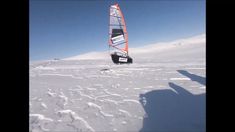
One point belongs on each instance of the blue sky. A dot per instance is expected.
(65, 28)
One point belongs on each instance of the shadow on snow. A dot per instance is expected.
(193, 77)
(177, 111)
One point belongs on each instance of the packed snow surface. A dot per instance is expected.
(163, 90)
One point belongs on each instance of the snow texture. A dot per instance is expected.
(163, 90)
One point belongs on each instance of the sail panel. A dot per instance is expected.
(117, 29)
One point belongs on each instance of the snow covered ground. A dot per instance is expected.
(163, 90)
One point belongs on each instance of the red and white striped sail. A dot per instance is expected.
(118, 39)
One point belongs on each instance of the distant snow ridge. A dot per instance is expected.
(160, 46)
(163, 46)
(90, 56)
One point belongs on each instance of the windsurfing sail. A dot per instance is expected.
(118, 37)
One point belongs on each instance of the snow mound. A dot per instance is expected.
(90, 56)
(149, 50)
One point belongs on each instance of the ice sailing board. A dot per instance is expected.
(118, 37)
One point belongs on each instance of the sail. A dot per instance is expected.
(118, 39)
